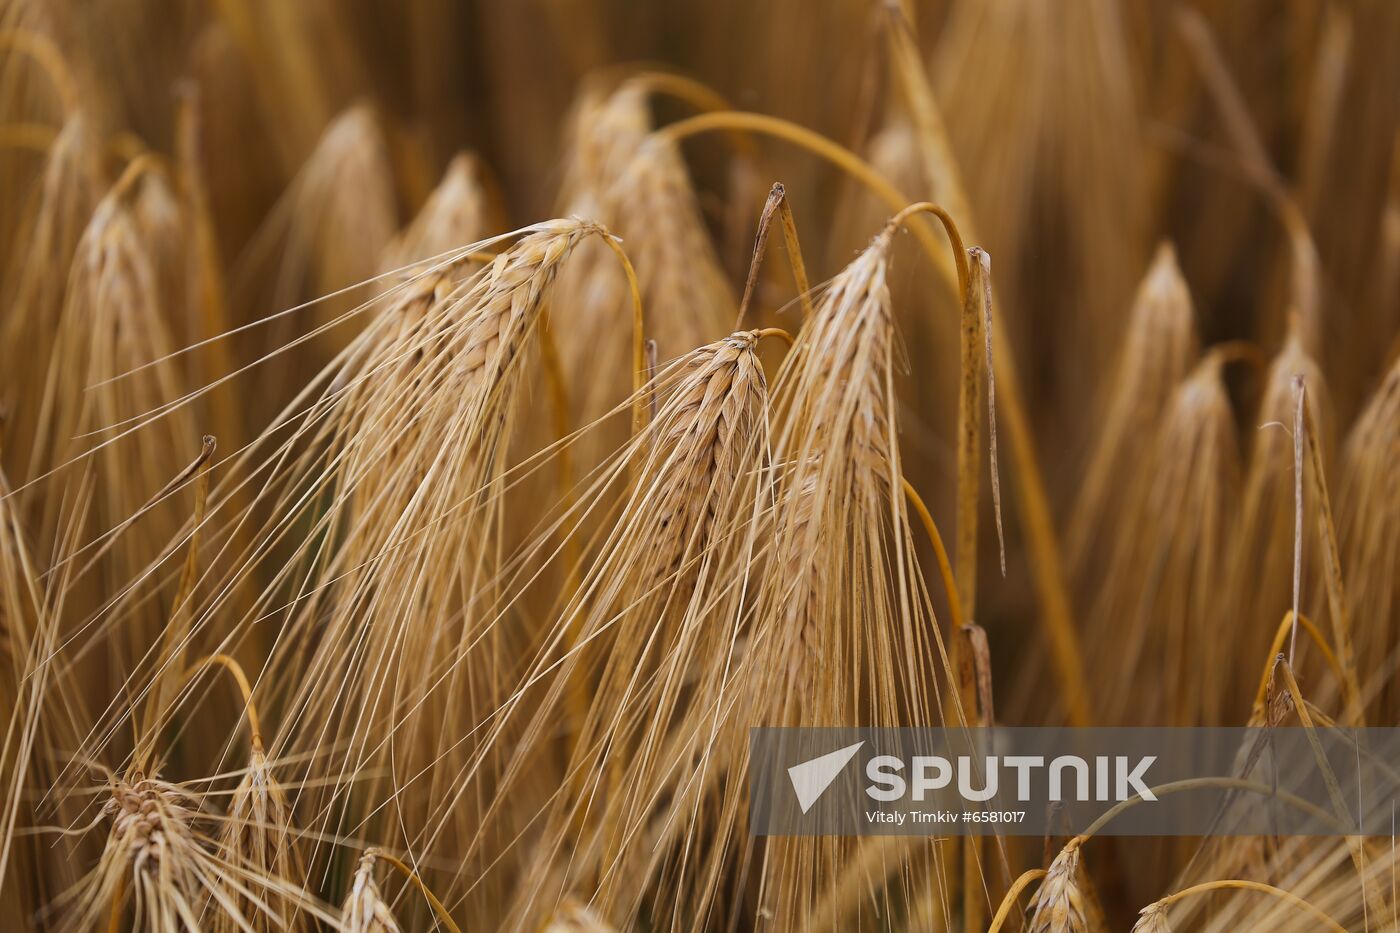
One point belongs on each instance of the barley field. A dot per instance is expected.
(435, 432)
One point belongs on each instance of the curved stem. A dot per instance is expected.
(949, 227)
(778, 332)
(1240, 351)
(798, 135)
(49, 59)
(125, 147)
(699, 95)
(1242, 885)
(245, 689)
(1176, 787)
(443, 916)
(964, 690)
(1009, 901)
(1173, 787)
(945, 567)
(695, 93)
(1046, 564)
(639, 343)
(1281, 635)
(838, 155)
(137, 169)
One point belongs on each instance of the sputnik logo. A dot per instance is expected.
(811, 778)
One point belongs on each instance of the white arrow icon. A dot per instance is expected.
(811, 778)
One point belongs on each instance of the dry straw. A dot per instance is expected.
(637, 184)
(1370, 502)
(418, 451)
(506, 641)
(653, 630)
(1263, 565)
(1159, 347)
(1065, 902)
(847, 595)
(365, 909)
(1166, 569)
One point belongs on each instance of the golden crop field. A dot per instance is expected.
(435, 432)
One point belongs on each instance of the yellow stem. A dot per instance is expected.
(945, 568)
(651, 358)
(1239, 351)
(50, 60)
(949, 227)
(137, 169)
(1336, 595)
(443, 916)
(214, 315)
(971, 287)
(964, 683)
(695, 93)
(1284, 628)
(1046, 562)
(972, 861)
(245, 689)
(1357, 850)
(577, 694)
(1259, 886)
(639, 350)
(36, 136)
(969, 441)
(1009, 901)
(1176, 787)
(698, 95)
(125, 147)
(114, 916)
(794, 250)
(778, 332)
(1173, 787)
(178, 628)
(799, 136)
(206, 240)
